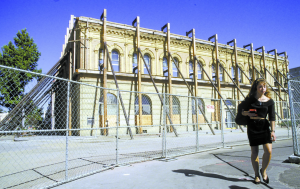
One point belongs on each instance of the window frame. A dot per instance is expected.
(149, 63)
(115, 63)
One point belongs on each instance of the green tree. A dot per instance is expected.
(23, 54)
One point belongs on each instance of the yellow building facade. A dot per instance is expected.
(88, 61)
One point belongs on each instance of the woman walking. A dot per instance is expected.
(259, 105)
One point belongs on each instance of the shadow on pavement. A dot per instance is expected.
(191, 173)
(246, 174)
(237, 187)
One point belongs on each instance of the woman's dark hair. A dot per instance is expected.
(253, 89)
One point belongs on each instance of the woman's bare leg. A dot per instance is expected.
(266, 158)
(255, 161)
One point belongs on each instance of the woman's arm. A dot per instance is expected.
(273, 136)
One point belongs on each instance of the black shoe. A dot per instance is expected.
(265, 180)
(257, 182)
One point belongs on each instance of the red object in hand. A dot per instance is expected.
(252, 110)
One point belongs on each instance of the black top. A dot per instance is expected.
(263, 108)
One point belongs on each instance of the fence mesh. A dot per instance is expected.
(55, 130)
(294, 96)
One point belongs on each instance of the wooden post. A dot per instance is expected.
(252, 59)
(139, 67)
(217, 76)
(74, 51)
(217, 65)
(286, 64)
(264, 61)
(195, 64)
(195, 76)
(170, 73)
(278, 79)
(103, 118)
(236, 69)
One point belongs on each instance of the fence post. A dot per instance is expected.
(117, 129)
(294, 126)
(197, 124)
(67, 132)
(222, 124)
(164, 143)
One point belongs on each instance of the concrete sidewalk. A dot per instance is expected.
(222, 168)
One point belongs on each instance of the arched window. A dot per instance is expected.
(115, 60)
(200, 105)
(148, 62)
(214, 73)
(165, 66)
(199, 71)
(233, 73)
(174, 68)
(111, 105)
(146, 105)
(134, 63)
(191, 69)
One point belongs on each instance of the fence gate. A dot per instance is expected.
(294, 98)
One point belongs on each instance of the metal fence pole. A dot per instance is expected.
(294, 126)
(67, 131)
(197, 124)
(222, 124)
(288, 122)
(164, 138)
(117, 129)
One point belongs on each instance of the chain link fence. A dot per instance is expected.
(57, 130)
(294, 98)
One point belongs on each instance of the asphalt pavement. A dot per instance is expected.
(228, 167)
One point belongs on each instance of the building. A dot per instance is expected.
(177, 64)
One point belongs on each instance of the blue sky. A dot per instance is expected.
(270, 23)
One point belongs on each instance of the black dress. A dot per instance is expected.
(258, 130)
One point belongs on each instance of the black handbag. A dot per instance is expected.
(240, 119)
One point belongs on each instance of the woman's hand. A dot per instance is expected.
(247, 113)
(273, 136)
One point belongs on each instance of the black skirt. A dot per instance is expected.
(258, 131)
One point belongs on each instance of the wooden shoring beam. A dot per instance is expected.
(277, 77)
(217, 76)
(161, 100)
(190, 90)
(264, 59)
(286, 62)
(217, 91)
(104, 84)
(252, 59)
(236, 69)
(139, 80)
(170, 70)
(286, 66)
(120, 96)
